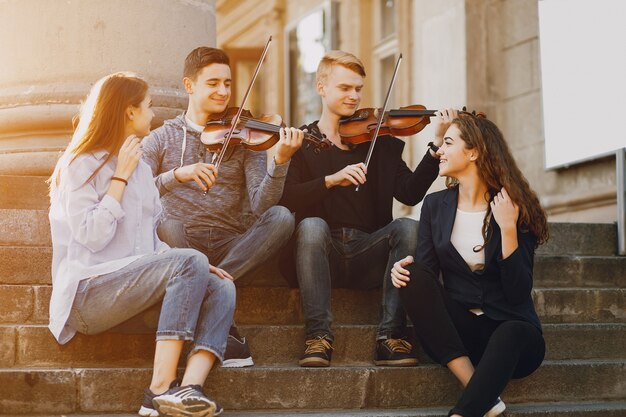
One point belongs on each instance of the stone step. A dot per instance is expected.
(592, 239)
(23, 192)
(29, 304)
(34, 346)
(24, 227)
(551, 409)
(93, 390)
(578, 409)
(31, 265)
(30, 227)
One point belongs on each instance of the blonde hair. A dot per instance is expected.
(344, 59)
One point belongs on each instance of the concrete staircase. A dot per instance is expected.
(579, 293)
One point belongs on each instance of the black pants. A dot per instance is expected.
(499, 350)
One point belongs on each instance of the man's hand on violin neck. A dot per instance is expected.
(205, 175)
(350, 175)
(290, 141)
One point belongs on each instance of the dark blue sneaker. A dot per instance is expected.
(237, 353)
(394, 352)
(187, 401)
(147, 409)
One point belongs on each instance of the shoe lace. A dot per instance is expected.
(317, 345)
(398, 345)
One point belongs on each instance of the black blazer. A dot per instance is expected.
(503, 288)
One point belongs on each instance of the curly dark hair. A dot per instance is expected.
(497, 168)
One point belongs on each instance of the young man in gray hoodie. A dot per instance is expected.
(205, 208)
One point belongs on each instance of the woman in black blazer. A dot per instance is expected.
(480, 234)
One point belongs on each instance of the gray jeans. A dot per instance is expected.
(197, 306)
(350, 258)
(236, 253)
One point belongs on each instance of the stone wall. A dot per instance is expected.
(53, 51)
(504, 77)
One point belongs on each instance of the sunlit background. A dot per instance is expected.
(497, 56)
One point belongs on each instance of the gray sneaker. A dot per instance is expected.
(187, 401)
(147, 409)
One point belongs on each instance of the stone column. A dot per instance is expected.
(52, 51)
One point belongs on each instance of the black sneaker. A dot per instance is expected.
(317, 353)
(187, 401)
(237, 353)
(147, 409)
(394, 352)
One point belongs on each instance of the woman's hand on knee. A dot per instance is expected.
(220, 272)
(399, 275)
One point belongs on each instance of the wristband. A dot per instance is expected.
(119, 179)
(433, 147)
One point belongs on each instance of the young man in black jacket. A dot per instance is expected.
(346, 238)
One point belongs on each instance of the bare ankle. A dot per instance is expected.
(159, 387)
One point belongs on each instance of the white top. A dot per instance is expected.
(93, 234)
(467, 235)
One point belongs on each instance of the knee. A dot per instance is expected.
(196, 261)
(404, 231)
(282, 219)
(516, 331)
(313, 231)
(423, 282)
(172, 232)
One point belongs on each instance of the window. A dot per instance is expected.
(308, 39)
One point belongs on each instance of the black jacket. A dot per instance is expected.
(305, 191)
(503, 288)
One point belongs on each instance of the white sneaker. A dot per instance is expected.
(497, 409)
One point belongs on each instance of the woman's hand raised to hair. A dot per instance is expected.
(504, 210)
(399, 275)
(506, 213)
(442, 123)
(128, 157)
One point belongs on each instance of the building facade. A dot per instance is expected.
(483, 54)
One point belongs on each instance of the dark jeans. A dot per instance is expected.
(499, 350)
(236, 253)
(350, 258)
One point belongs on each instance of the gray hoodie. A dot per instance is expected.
(242, 176)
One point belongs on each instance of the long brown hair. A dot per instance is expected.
(497, 168)
(102, 119)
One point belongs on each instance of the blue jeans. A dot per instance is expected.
(236, 253)
(350, 258)
(197, 306)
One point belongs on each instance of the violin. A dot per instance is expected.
(405, 121)
(256, 134)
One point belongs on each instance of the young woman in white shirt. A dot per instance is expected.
(108, 263)
(480, 235)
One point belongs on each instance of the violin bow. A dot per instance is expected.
(381, 116)
(217, 158)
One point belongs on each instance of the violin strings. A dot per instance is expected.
(257, 124)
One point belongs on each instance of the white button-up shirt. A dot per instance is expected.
(93, 234)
